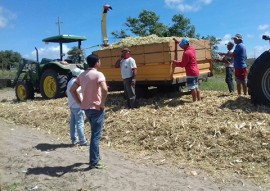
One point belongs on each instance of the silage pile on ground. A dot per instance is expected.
(223, 134)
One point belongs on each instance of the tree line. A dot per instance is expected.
(9, 59)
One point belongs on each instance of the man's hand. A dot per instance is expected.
(221, 54)
(133, 82)
(117, 63)
(175, 63)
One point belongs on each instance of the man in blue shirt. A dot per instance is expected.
(240, 66)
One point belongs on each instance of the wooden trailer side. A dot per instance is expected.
(154, 62)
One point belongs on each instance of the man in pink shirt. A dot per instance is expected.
(94, 93)
(189, 62)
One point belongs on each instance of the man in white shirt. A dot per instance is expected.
(128, 71)
(76, 114)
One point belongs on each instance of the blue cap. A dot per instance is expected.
(183, 42)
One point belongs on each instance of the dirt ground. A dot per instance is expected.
(34, 160)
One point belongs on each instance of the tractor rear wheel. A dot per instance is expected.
(53, 84)
(259, 80)
(24, 90)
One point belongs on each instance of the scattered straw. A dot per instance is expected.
(222, 134)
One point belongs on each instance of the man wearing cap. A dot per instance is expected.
(228, 62)
(189, 62)
(76, 114)
(128, 71)
(94, 91)
(240, 56)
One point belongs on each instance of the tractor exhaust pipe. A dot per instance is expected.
(37, 54)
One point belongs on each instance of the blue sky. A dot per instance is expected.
(24, 23)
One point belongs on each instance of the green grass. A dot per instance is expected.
(11, 187)
(215, 83)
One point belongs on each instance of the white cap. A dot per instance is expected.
(76, 72)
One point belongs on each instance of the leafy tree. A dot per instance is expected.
(75, 55)
(148, 23)
(121, 34)
(214, 44)
(181, 27)
(9, 59)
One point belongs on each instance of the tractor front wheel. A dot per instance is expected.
(53, 84)
(24, 90)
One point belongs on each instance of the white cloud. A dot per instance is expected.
(224, 40)
(5, 17)
(265, 33)
(49, 51)
(187, 6)
(263, 27)
(206, 1)
(258, 50)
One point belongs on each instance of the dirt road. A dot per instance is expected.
(34, 160)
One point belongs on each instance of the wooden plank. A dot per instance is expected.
(116, 52)
(140, 59)
(154, 72)
(103, 53)
(137, 50)
(153, 48)
(106, 62)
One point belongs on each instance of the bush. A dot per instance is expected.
(8, 74)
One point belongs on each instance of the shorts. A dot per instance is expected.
(240, 75)
(192, 82)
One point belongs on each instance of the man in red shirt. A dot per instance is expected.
(189, 62)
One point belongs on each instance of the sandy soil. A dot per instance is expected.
(34, 160)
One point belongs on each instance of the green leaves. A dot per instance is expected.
(9, 59)
(148, 23)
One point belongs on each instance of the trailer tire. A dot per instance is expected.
(24, 90)
(53, 84)
(259, 80)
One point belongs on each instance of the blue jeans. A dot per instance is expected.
(229, 78)
(77, 123)
(96, 120)
(192, 82)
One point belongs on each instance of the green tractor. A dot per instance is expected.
(50, 76)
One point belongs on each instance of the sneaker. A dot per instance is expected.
(74, 144)
(84, 144)
(98, 166)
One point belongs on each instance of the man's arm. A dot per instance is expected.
(74, 93)
(104, 93)
(229, 54)
(117, 63)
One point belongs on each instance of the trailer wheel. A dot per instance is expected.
(24, 90)
(259, 80)
(53, 84)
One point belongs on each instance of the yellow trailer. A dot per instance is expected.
(154, 64)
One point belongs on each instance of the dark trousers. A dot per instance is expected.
(229, 78)
(129, 92)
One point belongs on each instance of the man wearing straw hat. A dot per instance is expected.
(228, 63)
(128, 71)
